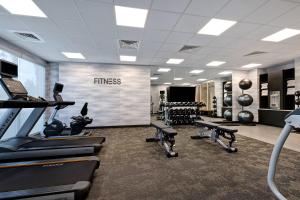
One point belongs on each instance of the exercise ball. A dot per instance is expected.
(228, 100)
(297, 93)
(245, 116)
(245, 84)
(245, 100)
(228, 115)
(228, 86)
(297, 102)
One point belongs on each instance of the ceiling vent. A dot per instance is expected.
(155, 74)
(28, 36)
(189, 48)
(255, 53)
(129, 44)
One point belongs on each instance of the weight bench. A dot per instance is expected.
(214, 131)
(166, 136)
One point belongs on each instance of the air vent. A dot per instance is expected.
(255, 53)
(156, 74)
(189, 48)
(129, 44)
(28, 36)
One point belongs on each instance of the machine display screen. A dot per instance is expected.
(181, 94)
(8, 69)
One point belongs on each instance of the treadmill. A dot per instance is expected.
(23, 147)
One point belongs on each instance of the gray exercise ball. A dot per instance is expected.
(245, 116)
(245, 100)
(228, 115)
(245, 84)
(228, 100)
(228, 86)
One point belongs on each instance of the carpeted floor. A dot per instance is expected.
(132, 169)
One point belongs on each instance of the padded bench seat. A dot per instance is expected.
(159, 125)
(169, 131)
(227, 130)
(207, 124)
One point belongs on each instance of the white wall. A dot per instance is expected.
(109, 105)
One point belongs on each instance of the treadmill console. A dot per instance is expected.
(58, 88)
(13, 88)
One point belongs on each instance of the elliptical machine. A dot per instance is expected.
(55, 127)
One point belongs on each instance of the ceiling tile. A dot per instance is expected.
(200, 40)
(269, 11)
(134, 3)
(241, 29)
(150, 46)
(170, 47)
(238, 9)
(221, 41)
(190, 23)
(161, 20)
(170, 5)
(289, 19)
(155, 35)
(205, 8)
(58, 9)
(127, 33)
(261, 32)
(179, 38)
(9, 22)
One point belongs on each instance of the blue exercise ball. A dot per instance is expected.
(245, 100)
(245, 116)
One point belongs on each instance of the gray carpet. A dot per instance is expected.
(132, 169)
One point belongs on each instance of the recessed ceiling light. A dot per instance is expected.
(186, 84)
(251, 65)
(127, 58)
(22, 7)
(164, 69)
(167, 83)
(133, 17)
(281, 35)
(201, 79)
(153, 78)
(175, 61)
(73, 55)
(197, 71)
(216, 27)
(215, 63)
(178, 79)
(225, 72)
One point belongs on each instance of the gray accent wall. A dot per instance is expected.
(109, 104)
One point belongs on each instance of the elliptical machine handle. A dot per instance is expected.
(274, 158)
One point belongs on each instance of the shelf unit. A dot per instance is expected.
(288, 76)
(263, 99)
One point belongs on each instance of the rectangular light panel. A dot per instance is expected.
(225, 72)
(216, 27)
(251, 65)
(153, 78)
(127, 58)
(132, 17)
(196, 71)
(22, 7)
(73, 55)
(281, 35)
(164, 69)
(178, 79)
(175, 61)
(215, 63)
(201, 79)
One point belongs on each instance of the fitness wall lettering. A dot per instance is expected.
(107, 81)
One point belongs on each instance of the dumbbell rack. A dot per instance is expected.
(181, 112)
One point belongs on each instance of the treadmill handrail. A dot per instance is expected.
(22, 104)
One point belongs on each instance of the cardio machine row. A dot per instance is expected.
(59, 167)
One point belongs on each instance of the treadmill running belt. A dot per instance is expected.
(47, 175)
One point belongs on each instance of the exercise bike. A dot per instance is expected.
(55, 127)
